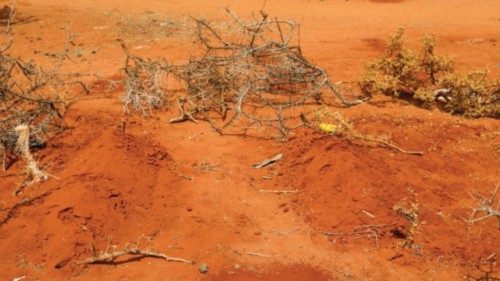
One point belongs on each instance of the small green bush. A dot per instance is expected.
(429, 80)
(472, 94)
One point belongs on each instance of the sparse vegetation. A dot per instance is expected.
(237, 203)
(429, 80)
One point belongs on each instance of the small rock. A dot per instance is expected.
(203, 268)
(237, 266)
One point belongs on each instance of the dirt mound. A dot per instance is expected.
(190, 193)
(122, 193)
(346, 187)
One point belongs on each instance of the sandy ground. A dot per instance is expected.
(193, 194)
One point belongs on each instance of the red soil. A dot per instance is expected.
(194, 194)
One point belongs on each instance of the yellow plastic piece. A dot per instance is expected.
(328, 128)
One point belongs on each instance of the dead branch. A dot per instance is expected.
(485, 207)
(110, 254)
(388, 144)
(269, 161)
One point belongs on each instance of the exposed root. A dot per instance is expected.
(34, 172)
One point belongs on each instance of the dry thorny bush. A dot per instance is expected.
(429, 80)
(145, 85)
(250, 73)
(32, 99)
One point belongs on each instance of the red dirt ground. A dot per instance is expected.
(124, 185)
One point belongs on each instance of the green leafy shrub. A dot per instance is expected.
(472, 94)
(429, 80)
